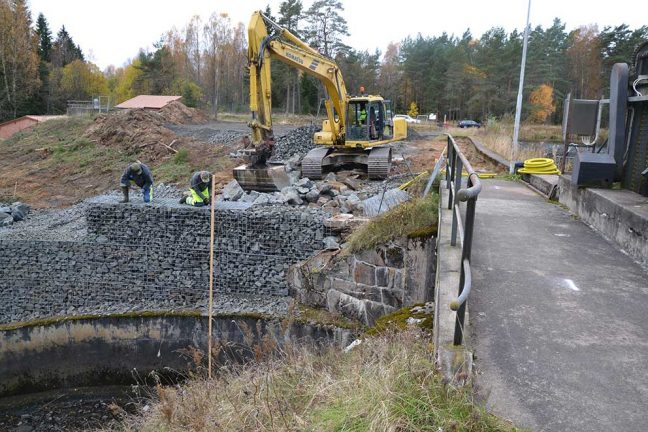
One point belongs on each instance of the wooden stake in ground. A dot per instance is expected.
(211, 278)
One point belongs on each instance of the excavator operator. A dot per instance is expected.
(362, 119)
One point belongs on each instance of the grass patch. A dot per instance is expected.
(53, 134)
(413, 218)
(387, 383)
(510, 177)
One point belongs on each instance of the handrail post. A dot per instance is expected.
(465, 257)
(449, 170)
(455, 202)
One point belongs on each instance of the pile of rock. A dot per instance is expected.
(15, 212)
(331, 195)
(298, 141)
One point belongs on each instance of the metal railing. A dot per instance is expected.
(457, 162)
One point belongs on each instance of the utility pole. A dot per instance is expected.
(518, 107)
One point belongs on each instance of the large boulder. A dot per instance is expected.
(312, 196)
(5, 219)
(23, 208)
(291, 195)
(18, 215)
(233, 191)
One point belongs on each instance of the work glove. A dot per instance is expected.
(207, 201)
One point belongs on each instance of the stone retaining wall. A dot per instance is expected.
(368, 284)
(157, 256)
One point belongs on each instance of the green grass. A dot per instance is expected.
(415, 218)
(378, 386)
(53, 134)
(510, 177)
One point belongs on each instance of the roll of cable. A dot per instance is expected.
(539, 166)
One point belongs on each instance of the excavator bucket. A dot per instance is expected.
(262, 179)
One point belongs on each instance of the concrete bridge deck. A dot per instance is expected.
(559, 318)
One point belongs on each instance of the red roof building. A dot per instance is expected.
(8, 128)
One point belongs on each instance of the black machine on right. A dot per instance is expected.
(625, 157)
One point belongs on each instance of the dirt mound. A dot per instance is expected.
(178, 113)
(135, 132)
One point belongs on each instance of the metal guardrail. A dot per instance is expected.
(457, 162)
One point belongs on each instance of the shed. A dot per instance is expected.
(8, 128)
(148, 102)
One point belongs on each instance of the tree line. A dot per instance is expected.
(39, 72)
(205, 62)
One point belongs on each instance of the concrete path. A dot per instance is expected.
(559, 318)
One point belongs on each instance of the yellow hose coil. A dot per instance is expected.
(539, 166)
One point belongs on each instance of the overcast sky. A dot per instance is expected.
(113, 31)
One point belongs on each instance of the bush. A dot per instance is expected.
(181, 157)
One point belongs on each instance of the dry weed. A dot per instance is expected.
(386, 384)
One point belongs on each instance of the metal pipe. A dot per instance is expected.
(461, 306)
(466, 287)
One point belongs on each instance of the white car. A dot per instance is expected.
(407, 118)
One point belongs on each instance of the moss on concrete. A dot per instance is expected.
(311, 315)
(134, 314)
(397, 321)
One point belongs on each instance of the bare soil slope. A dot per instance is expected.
(61, 162)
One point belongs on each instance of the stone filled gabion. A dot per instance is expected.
(298, 141)
(158, 256)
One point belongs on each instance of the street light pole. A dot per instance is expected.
(518, 107)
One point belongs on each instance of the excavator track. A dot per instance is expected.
(312, 163)
(379, 163)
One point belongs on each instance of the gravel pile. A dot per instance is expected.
(70, 224)
(225, 137)
(210, 135)
(296, 142)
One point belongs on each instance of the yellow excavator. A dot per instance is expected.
(357, 129)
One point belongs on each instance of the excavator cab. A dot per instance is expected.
(369, 120)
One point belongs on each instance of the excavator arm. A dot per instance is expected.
(267, 39)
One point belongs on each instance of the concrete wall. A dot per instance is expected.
(109, 351)
(157, 256)
(620, 215)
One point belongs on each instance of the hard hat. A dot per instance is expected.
(136, 167)
(204, 176)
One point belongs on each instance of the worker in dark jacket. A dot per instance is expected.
(139, 174)
(200, 192)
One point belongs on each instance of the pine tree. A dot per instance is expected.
(326, 27)
(64, 50)
(44, 39)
